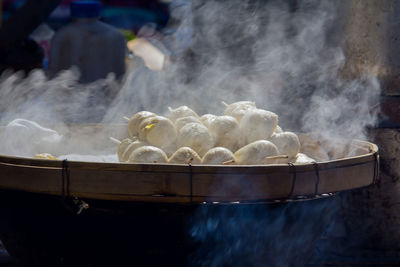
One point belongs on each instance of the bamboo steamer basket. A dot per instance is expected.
(189, 184)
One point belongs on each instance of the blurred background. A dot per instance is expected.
(27, 26)
(124, 14)
(329, 64)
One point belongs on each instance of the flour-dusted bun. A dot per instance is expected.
(226, 132)
(303, 159)
(316, 152)
(170, 148)
(180, 112)
(256, 153)
(129, 149)
(239, 109)
(278, 129)
(179, 123)
(136, 120)
(26, 138)
(258, 124)
(157, 131)
(122, 147)
(312, 147)
(287, 143)
(185, 155)
(195, 136)
(218, 156)
(148, 154)
(206, 119)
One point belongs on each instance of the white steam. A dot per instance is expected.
(287, 56)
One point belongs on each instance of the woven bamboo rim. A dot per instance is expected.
(189, 184)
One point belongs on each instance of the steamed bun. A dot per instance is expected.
(195, 136)
(206, 119)
(225, 131)
(185, 155)
(129, 149)
(148, 154)
(136, 120)
(258, 124)
(255, 153)
(180, 112)
(157, 131)
(239, 109)
(179, 123)
(217, 156)
(287, 143)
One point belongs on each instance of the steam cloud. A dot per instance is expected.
(285, 55)
(259, 235)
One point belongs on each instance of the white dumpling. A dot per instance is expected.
(148, 154)
(170, 148)
(316, 152)
(206, 119)
(185, 155)
(180, 112)
(23, 137)
(278, 129)
(311, 146)
(195, 136)
(179, 123)
(258, 124)
(256, 153)
(239, 109)
(157, 131)
(217, 156)
(225, 131)
(287, 143)
(303, 158)
(122, 147)
(136, 120)
(129, 149)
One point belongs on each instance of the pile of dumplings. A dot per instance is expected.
(244, 135)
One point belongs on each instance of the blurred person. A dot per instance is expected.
(17, 50)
